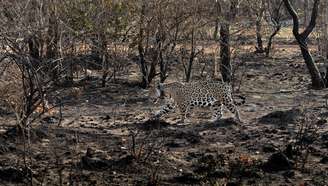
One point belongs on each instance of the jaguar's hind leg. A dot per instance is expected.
(216, 109)
(185, 110)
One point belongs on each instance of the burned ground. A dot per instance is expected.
(106, 137)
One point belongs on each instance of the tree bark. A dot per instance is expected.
(216, 29)
(225, 54)
(217, 20)
(52, 43)
(53, 36)
(275, 19)
(152, 70)
(305, 11)
(268, 48)
(191, 58)
(316, 78)
(104, 58)
(258, 24)
(143, 66)
(259, 48)
(324, 30)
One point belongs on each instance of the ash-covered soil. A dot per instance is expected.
(106, 137)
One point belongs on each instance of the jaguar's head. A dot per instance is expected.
(156, 92)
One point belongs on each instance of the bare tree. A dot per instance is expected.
(305, 11)
(27, 64)
(259, 12)
(323, 31)
(148, 71)
(217, 20)
(229, 10)
(275, 17)
(316, 78)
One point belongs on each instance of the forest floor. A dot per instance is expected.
(106, 137)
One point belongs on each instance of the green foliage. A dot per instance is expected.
(88, 16)
(78, 14)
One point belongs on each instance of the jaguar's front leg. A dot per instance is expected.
(185, 112)
(216, 109)
(233, 109)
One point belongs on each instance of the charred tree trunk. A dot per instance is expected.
(191, 58)
(275, 20)
(258, 26)
(323, 40)
(191, 61)
(104, 58)
(33, 46)
(147, 74)
(161, 48)
(225, 54)
(316, 78)
(52, 37)
(143, 66)
(162, 64)
(216, 26)
(305, 11)
(52, 44)
(163, 68)
(268, 48)
(216, 29)
(152, 70)
(259, 48)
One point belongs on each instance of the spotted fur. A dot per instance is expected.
(186, 96)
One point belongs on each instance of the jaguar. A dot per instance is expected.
(186, 96)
